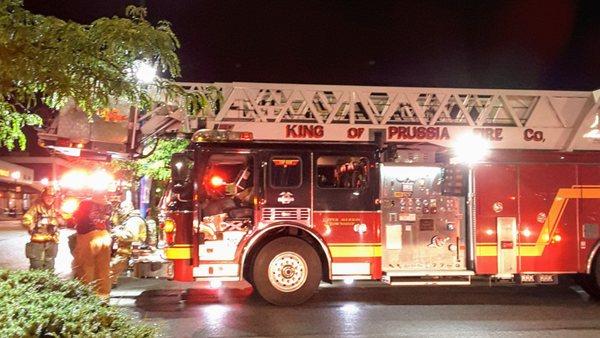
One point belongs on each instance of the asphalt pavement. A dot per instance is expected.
(365, 309)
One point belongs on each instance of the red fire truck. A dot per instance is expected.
(291, 185)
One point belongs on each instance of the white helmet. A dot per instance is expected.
(126, 207)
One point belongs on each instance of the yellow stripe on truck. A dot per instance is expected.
(486, 250)
(557, 209)
(181, 251)
(368, 251)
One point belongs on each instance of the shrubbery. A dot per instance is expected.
(39, 304)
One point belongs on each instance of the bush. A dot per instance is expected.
(39, 304)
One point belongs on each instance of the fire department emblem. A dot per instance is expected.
(286, 197)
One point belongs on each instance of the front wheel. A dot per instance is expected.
(287, 271)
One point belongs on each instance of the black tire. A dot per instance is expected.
(287, 256)
(591, 283)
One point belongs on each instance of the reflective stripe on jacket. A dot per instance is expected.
(42, 222)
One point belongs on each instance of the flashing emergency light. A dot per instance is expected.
(169, 225)
(526, 232)
(470, 149)
(216, 181)
(557, 238)
(74, 179)
(69, 205)
(100, 180)
(78, 179)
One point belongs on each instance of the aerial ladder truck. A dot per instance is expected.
(288, 185)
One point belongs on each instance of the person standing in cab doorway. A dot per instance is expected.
(42, 221)
(91, 255)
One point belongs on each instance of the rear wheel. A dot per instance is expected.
(287, 271)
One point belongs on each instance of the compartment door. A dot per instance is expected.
(507, 246)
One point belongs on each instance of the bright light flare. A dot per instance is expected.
(526, 232)
(69, 205)
(169, 225)
(144, 72)
(348, 281)
(74, 179)
(216, 181)
(100, 180)
(44, 181)
(489, 232)
(470, 149)
(78, 179)
(557, 238)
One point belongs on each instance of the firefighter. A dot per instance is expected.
(91, 256)
(42, 221)
(132, 229)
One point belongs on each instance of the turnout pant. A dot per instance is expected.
(41, 255)
(92, 260)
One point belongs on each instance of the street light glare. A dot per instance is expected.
(144, 72)
(470, 149)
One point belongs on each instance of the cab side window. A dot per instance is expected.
(345, 181)
(342, 172)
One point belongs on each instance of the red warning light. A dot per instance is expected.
(216, 181)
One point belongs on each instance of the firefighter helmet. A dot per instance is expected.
(49, 191)
(126, 207)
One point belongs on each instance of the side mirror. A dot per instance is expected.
(181, 171)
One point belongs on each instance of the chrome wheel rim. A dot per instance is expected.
(287, 271)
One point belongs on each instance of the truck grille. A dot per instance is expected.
(286, 214)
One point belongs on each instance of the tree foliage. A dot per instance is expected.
(47, 60)
(39, 304)
(156, 166)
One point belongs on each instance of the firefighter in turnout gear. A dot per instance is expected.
(131, 230)
(42, 221)
(91, 255)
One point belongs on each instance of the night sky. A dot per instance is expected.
(483, 44)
